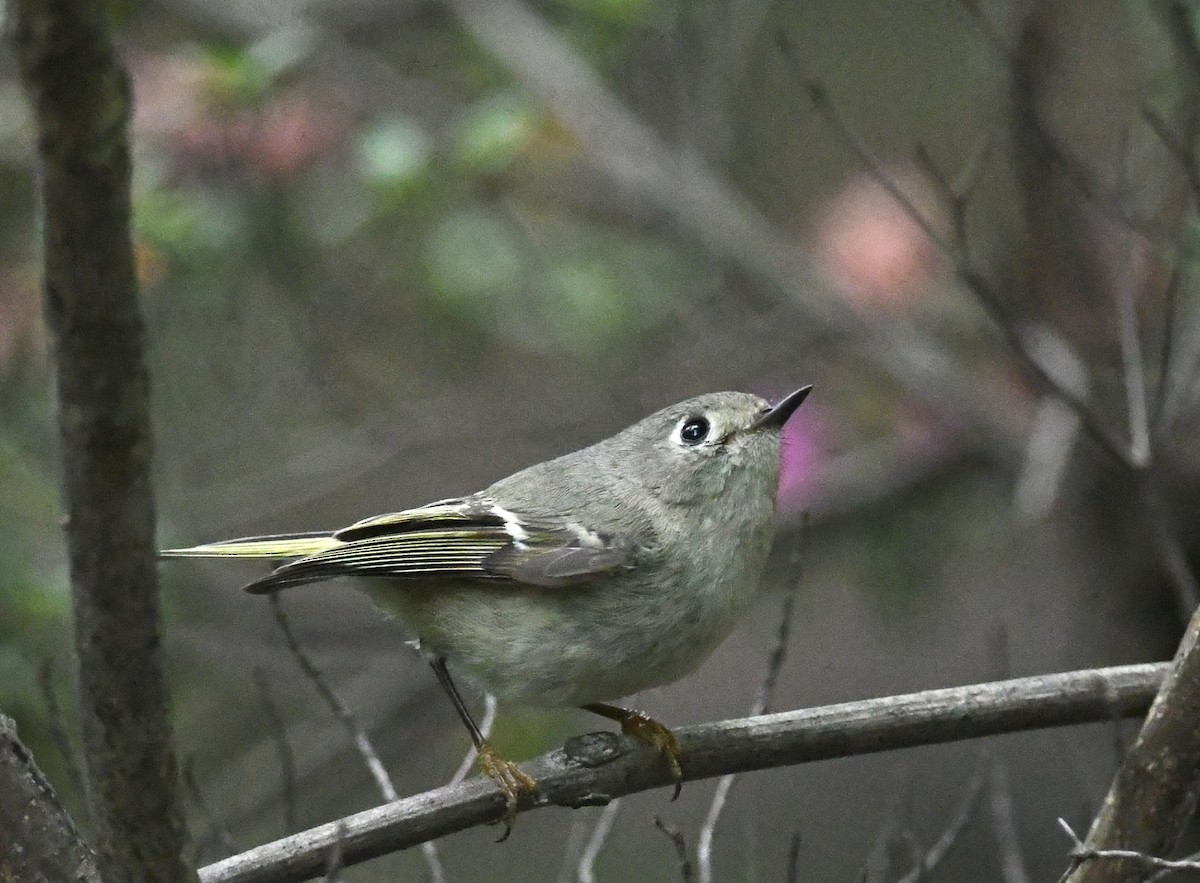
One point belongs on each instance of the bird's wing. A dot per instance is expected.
(473, 538)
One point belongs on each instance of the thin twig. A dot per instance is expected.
(1132, 368)
(879, 859)
(339, 708)
(1004, 825)
(283, 748)
(1162, 873)
(485, 727)
(988, 29)
(435, 872)
(585, 871)
(1171, 553)
(685, 865)
(219, 831)
(762, 700)
(705, 841)
(56, 727)
(572, 849)
(433, 861)
(1166, 347)
(1179, 151)
(1081, 854)
(962, 816)
(1183, 34)
(335, 860)
(792, 875)
(957, 194)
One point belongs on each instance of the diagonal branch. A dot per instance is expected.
(38, 840)
(573, 777)
(1154, 794)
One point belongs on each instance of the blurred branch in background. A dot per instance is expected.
(699, 201)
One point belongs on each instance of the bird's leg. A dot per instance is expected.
(513, 783)
(647, 729)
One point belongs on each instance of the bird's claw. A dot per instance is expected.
(646, 728)
(513, 784)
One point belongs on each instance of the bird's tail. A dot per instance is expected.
(281, 547)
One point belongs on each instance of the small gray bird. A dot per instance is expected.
(576, 581)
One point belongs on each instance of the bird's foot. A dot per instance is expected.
(646, 728)
(513, 784)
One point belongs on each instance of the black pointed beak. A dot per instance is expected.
(778, 414)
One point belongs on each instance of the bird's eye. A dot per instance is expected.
(694, 430)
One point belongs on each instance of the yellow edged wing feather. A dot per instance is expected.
(471, 538)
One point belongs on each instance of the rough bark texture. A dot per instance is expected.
(1154, 794)
(38, 840)
(81, 99)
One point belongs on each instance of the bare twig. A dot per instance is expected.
(1004, 825)
(57, 729)
(1171, 552)
(1047, 455)
(433, 861)
(217, 828)
(585, 871)
(967, 807)
(685, 864)
(1133, 370)
(1175, 146)
(485, 727)
(957, 194)
(762, 700)
(773, 740)
(879, 859)
(1187, 46)
(1081, 854)
(987, 28)
(339, 708)
(283, 747)
(1163, 873)
(1166, 349)
(792, 874)
(335, 861)
(573, 848)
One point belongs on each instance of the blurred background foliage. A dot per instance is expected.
(392, 251)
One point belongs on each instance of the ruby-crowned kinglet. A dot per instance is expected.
(578, 580)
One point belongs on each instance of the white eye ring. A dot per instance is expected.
(693, 430)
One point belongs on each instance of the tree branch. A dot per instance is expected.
(1154, 794)
(38, 840)
(603, 766)
(81, 101)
